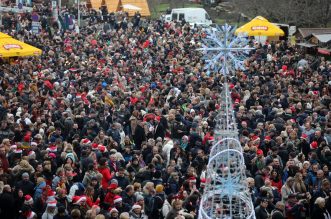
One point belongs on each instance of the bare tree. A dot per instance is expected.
(311, 13)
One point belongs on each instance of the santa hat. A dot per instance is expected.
(50, 194)
(113, 210)
(192, 179)
(202, 182)
(136, 206)
(18, 151)
(267, 138)
(259, 152)
(78, 199)
(28, 200)
(31, 215)
(52, 155)
(231, 86)
(94, 146)
(52, 203)
(255, 138)
(31, 153)
(237, 101)
(304, 136)
(52, 148)
(314, 145)
(117, 199)
(102, 148)
(33, 143)
(86, 141)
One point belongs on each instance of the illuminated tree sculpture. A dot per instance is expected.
(226, 193)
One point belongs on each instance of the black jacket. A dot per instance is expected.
(7, 205)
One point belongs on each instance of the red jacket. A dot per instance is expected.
(90, 203)
(106, 176)
(109, 198)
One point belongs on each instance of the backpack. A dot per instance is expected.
(149, 206)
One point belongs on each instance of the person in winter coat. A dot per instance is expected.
(136, 212)
(166, 208)
(261, 210)
(177, 209)
(22, 167)
(89, 174)
(39, 188)
(25, 184)
(61, 213)
(104, 170)
(7, 203)
(319, 210)
(51, 210)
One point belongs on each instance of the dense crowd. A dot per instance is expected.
(117, 122)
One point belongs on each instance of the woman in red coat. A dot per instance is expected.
(276, 180)
(89, 197)
(105, 171)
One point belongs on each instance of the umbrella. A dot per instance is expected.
(259, 26)
(131, 7)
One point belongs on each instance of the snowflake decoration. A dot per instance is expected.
(223, 51)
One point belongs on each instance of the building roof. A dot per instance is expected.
(143, 4)
(112, 5)
(96, 4)
(323, 38)
(308, 45)
(305, 32)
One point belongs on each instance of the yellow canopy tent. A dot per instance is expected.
(3, 35)
(9, 47)
(259, 26)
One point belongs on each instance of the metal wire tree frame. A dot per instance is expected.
(223, 51)
(225, 122)
(226, 192)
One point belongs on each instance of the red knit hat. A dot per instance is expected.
(314, 145)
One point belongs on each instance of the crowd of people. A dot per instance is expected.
(117, 122)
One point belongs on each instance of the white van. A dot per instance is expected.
(193, 16)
